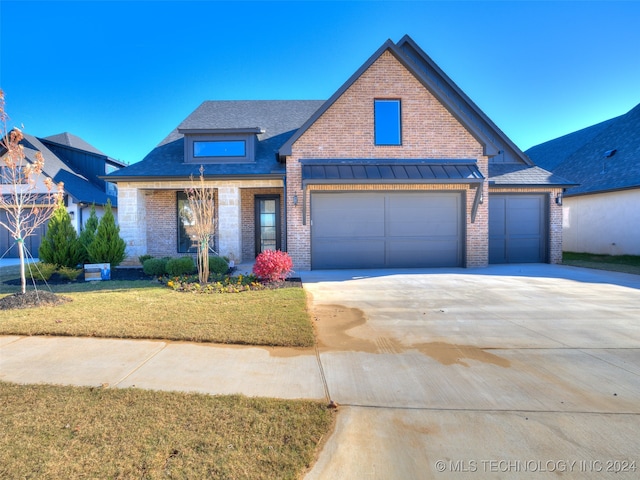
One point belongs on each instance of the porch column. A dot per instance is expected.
(229, 236)
(132, 220)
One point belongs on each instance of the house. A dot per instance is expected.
(399, 168)
(79, 165)
(601, 214)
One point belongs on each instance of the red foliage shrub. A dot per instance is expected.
(273, 266)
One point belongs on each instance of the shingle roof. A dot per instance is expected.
(581, 155)
(279, 119)
(513, 174)
(70, 140)
(75, 184)
(74, 141)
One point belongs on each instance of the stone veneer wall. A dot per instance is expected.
(346, 130)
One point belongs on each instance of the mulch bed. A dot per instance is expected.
(41, 298)
(33, 298)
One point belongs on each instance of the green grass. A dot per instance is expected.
(144, 309)
(77, 432)
(617, 263)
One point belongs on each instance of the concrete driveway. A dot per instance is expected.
(528, 371)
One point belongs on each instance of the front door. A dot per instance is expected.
(267, 223)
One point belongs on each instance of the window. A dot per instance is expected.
(387, 121)
(219, 148)
(13, 176)
(187, 242)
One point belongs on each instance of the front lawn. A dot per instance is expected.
(143, 309)
(616, 263)
(78, 432)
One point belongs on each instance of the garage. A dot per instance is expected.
(386, 229)
(8, 247)
(517, 228)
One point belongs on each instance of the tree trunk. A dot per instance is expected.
(23, 278)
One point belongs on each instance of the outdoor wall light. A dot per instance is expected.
(559, 199)
(295, 199)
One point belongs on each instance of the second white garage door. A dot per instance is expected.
(386, 229)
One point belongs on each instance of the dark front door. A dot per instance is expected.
(267, 223)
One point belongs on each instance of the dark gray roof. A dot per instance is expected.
(75, 184)
(513, 174)
(389, 171)
(582, 155)
(74, 141)
(278, 119)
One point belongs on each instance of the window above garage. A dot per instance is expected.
(387, 121)
(220, 146)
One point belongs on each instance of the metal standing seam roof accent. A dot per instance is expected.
(331, 171)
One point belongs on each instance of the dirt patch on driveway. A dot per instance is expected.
(333, 323)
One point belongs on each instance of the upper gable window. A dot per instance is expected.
(388, 125)
(220, 148)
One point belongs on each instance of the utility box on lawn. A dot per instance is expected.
(97, 271)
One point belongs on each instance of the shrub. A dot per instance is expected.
(42, 271)
(107, 246)
(88, 234)
(273, 266)
(155, 266)
(144, 258)
(60, 244)
(70, 274)
(180, 266)
(218, 265)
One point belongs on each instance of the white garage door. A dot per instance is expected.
(386, 229)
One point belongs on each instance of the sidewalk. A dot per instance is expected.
(162, 365)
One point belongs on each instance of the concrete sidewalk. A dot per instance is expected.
(160, 365)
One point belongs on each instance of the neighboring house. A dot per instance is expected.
(601, 214)
(399, 168)
(71, 160)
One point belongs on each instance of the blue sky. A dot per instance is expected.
(122, 74)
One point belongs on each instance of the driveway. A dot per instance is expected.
(525, 371)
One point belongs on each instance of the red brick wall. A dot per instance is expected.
(346, 130)
(162, 223)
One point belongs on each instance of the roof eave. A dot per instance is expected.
(178, 178)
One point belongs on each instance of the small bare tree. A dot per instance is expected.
(27, 205)
(203, 221)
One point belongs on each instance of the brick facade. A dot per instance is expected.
(346, 130)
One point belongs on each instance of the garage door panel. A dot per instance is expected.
(359, 253)
(386, 229)
(409, 253)
(517, 228)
